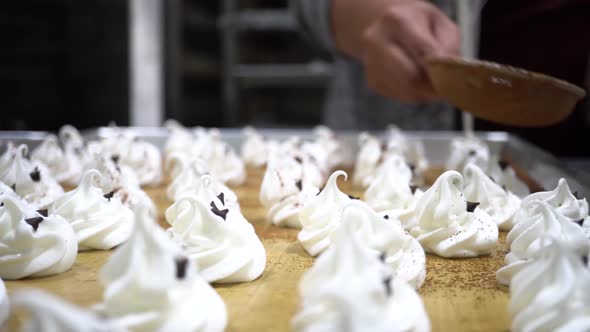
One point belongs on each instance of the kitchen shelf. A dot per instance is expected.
(259, 20)
(280, 75)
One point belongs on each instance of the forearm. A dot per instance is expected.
(350, 18)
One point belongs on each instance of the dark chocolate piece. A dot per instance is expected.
(386, 217)
(503, 164)
(34, 222)
(471, 206)
(413, 189)
(35, 175)
(218, 212)
(43, 212)
(353, 197)
(299, 184)
(387, 284)
(221, 197)
(108, 196)
(181, 267)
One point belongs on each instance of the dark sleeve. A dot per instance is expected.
(313, 17)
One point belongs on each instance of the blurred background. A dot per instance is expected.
(69, 62)
(207, 63)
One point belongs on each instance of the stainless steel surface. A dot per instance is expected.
(541, 166)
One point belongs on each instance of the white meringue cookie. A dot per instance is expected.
(180, 139)
(551, 293)
(99, 221)
(5, 189)
(150, 285)
(50, 314)
(31, 181)
(387, 238)
(221, 159)
(321, 215)
(391, 191)
(526, 238)
(586, 227)
(561, 198)
(32, 245)
(7, 157)
(4, 304)
(283, 193)
(220, 241)
(120, 180)
(194, 180)
(324, 150)
(64, 166)
(333, 300)
(500, 204)
(142, 157)
(445, 227)
(465, 150)
(367, 160)
(255, 148)
(506, 177)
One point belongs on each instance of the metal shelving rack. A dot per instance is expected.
(237, 76)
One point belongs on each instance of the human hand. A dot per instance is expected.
(395, 48)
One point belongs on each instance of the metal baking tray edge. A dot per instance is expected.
(541, 166)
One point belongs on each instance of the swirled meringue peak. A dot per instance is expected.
(392, 191)
(150, 285)
(194, 179)
(321, 215)
(48, 313)
(526, 238)
(64, 166)
(468, 149)
(386, 237)
(284, 191)
(4, 304)
(220, 241)
(30, 180)
(221, 159)
(551, 292)
(118, 179)
(142, 157)
(367, 160)
(448, 226)
(499, 203)
(33, 243)
(561, 198)
(100, 220)
(255, 149)
(372, 302)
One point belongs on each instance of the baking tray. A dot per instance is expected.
(459, 294)
(542, 167)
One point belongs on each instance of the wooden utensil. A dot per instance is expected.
(501, 93)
